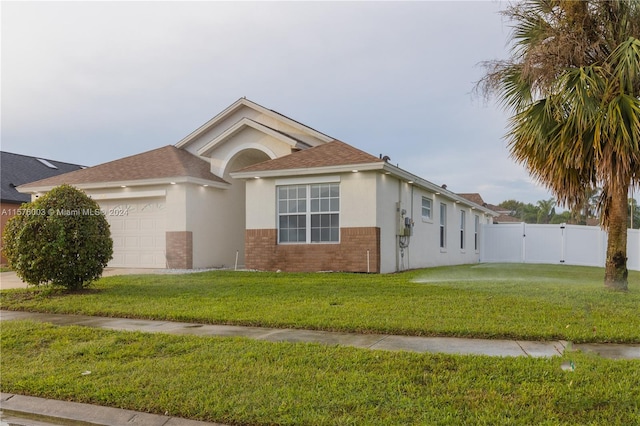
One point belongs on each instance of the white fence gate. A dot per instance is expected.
(568, 244)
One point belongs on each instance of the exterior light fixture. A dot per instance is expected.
(354, 171)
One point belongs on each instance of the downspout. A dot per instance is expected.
(411, 216)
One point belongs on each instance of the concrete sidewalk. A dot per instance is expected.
(449, 345)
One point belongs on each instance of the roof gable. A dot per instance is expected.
(17, 169)
(246, 103)
(166, 162)
(245, 123)
(331, 154)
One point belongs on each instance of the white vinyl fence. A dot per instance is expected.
(568, 244)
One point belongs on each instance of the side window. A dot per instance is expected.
(476, 231)
(426, 208)
(463, 219)
(443, 225)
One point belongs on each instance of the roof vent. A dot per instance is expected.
(46, 163)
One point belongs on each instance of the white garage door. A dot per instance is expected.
(138, 232)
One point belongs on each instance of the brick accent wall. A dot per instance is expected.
(180, 250)
(350, 255)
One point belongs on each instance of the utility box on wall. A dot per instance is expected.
(404, 223)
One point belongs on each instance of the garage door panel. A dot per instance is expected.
(138, 232)
(118, 242)
(131, 224)
(147, 241)
(116, 224)
(131, 242)
(147, 224)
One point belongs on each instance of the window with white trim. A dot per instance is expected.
(476, 230)
(443, 225)
(463, 219)
(309, 213)
(426, 208)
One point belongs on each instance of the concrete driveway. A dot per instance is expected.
(10, 279)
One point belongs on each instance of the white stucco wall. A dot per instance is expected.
(217, 225)
(358, 199)
(369, 199)
(424, 245)
(261, 204)
(424, 249)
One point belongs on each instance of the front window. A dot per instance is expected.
(309, 213)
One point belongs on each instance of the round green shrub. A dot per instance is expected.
(62, 238)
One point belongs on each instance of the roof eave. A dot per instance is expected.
(432, 187)
(308, 171)
(129, 183)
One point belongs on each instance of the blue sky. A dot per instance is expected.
(90, 82)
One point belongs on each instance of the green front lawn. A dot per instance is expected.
(244, 382)
(524, 301)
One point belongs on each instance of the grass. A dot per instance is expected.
(243, 382)
(523, 301)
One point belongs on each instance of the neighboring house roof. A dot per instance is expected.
(17, 169)
(506, 218)
(476, 198)
(331, 154)
(162, 163)
(504, 215)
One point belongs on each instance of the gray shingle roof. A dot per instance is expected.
(17, 169)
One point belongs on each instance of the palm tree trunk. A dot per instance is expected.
(615, 275)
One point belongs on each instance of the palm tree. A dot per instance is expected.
(572, 85)
(546, 210)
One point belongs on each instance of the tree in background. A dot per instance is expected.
(588, 209)
(634, 214)
(62, 238)
(546, 210)
(572, 84)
